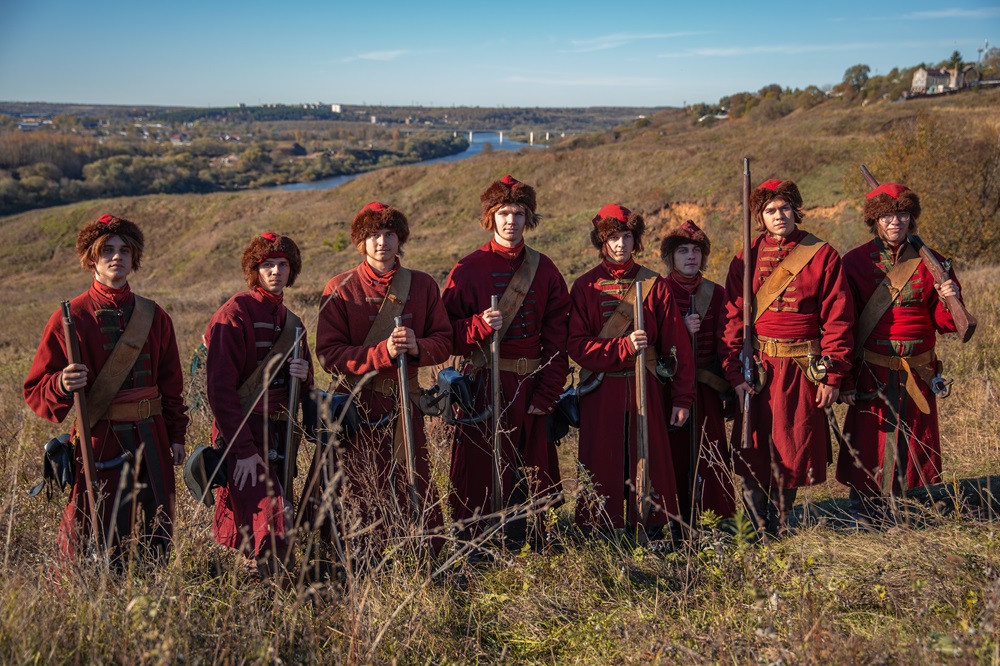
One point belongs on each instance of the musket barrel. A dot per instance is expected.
(291, 451)
(748, 314)
(642, 434)
(496, 496)
(407, 417)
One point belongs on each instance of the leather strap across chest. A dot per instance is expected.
(250, 391)
(885, 295)
(511, 300)
(785, 272)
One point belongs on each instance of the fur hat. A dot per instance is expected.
(774, 189)
(613, 218)
(377, 215)
(686, 233)
(508, 190)
(268, 245)
(890, 198)
(109, 225)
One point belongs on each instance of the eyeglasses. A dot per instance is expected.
(903, 217)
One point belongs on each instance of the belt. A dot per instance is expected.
(776, 348)
(712, 380)
(910, 365)
(520, 366)
(649, 357)
(134, 411)
(277, 416)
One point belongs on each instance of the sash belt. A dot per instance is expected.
(134, 411)
(908, 365)
(776, 348)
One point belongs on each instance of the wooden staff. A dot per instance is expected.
(641, 433)
(291, 440)
(496, 496)
(964, 321)
(408, 442)
(82, 426)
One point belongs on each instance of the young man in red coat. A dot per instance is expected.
(608, 415)
(147, 417)
(348, 346)
(684, 251)
(533, 363)
(250, 513)
(892, 440)
(803, 315)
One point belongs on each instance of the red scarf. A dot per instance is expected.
(109, 296)
(267, 297)
(368, 273)
(618, 271)
(689, 284)
(510, 254)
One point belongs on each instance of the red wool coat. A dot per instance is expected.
(100, 315)
(608, 415)
(714, 460)
(348, 308)
(240, 335)
(907, 328)
(538, 332)
(791, 436)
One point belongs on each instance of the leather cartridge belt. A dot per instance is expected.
(777, 348)
(520, 366)
(924, 365)
(712, 380)
(649, 356)
(134, 411)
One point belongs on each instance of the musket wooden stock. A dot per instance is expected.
(407, 417)
(496, 496)
(641, 431)
(291, 449)
(746, 439)
(82, 426)
(964, 321)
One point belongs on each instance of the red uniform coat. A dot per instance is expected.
(907, 328)
(239, 336)
(538, 332)
(714, 461)
(100, 315)
(349, 306)
(608, 415)
(791, 436)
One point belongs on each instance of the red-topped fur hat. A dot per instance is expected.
(775, 189)
(109, 225)
(270, 245)
(686, 233)
(377, 215)
(890, 198)
(508, 190)
(613, 218)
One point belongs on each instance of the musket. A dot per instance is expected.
(746, 356)
(496, 496)
(641, 433)
(82, 426)
(695, 434)
(291, 444)
(964, 321)
(408, 442)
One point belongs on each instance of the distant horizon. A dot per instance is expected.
(640, 54)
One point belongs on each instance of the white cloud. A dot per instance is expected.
(614, 41)
(378, 56)
(955, 12)
(589, 82)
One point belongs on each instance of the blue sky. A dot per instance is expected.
(579, 53)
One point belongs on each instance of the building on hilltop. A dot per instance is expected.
(930, 81)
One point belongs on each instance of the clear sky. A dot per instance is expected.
(581, 53)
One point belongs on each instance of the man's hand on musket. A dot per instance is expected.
(179, 453)
(401, 340)
(298, 368)
(679, 416)
(741, 391)
(947, 289)
(535, 411)
(826, 395)
(493, 318)
(639, 340)
(73, 377)
(693, 323)
(848, 398)
(246, 468)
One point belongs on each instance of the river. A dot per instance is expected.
(479, 142)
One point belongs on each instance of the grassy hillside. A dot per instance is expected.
(923, 592)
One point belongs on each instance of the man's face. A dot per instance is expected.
(779, 219)
(894, 227)
(115, 262)
(273, 274)
(618, 248)
(687, 259)
(382, 246)
(508, 223)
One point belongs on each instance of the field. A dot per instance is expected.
(925, 591)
